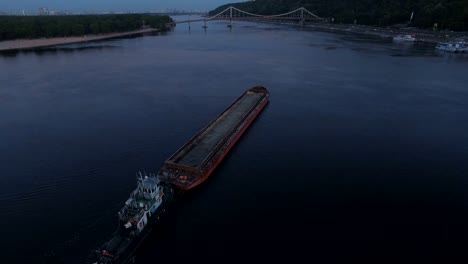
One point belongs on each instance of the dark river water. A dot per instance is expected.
(362, 151)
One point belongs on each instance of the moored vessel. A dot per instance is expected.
(454, 47)
(405, 38)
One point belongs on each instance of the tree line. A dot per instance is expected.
(27, 27)
(448, 14)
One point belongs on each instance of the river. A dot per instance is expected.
(361, 151)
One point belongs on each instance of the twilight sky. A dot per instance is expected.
(109, 5)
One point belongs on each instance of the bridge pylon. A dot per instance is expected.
(230, 18)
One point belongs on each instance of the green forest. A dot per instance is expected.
(21, 27)
(448, 14)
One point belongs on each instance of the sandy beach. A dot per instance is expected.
(21, 44)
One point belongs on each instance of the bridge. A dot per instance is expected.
(300, 15)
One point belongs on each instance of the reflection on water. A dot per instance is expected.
(93, 45)
(57, 49)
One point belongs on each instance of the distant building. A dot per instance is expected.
(44, 11)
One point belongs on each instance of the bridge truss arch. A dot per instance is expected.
(234, 12)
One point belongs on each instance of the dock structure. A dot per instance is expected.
(194, 162)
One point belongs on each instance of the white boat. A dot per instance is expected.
(464, 45)
(408, 38)
(452, 47)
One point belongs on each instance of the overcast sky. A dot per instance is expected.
(109, 5)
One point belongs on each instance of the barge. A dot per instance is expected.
(195, 161)
(189, 166)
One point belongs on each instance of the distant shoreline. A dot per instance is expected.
(425, 36)
(421, 35)
(28, 44)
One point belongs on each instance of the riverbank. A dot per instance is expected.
(425, 36)
(26, 44)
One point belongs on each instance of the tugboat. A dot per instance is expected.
(144, 207)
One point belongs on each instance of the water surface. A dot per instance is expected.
(361, 151)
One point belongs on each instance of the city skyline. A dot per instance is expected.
(32, 6)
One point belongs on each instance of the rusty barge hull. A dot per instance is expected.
(195, 161)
